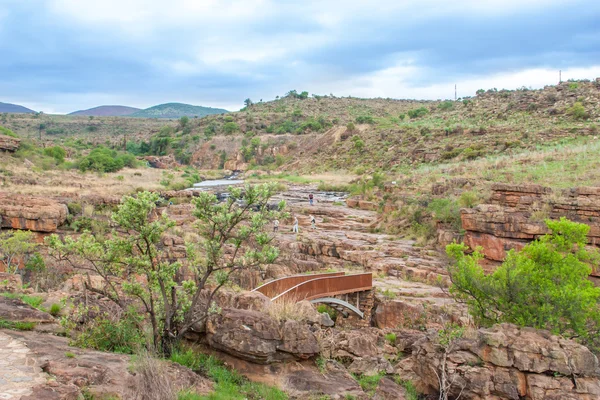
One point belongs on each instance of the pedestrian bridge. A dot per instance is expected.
(346, 293)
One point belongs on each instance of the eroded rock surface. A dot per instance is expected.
(506, 362)
(32, 213)
(8, 143)
(515, 216)
(257, 337)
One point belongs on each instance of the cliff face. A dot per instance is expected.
(516, 213)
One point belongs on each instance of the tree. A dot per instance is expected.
(183, 121)
(545, 285)
(16, 246)
(232, 238)
(248, 102)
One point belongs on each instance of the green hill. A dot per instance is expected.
(177, 110)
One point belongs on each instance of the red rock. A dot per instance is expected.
(33, 213)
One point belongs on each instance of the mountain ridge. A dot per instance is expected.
(177, 110)
(14, 109)
(107, 111)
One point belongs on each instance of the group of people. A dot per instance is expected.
(313, 221)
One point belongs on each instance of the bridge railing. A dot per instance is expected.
(328, 287)
(278, 286)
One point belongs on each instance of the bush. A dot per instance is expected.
(102, 159)
(391, 338)
(55, 309)
(230, 128)
(555, 268)
(446, 105)
(358, 142)
(418, 112)
(106, 334)
(446, 211)
(365, 119)
(577, 111)
(56, 152)
(468, 199)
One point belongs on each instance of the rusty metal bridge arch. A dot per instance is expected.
(321, 288)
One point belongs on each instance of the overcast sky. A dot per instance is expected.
(59, 56)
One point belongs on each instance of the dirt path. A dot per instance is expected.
(19, 371)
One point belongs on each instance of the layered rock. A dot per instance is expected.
(506, 362)
(8, 143)
(257, 337)
(516, 213)
(33, 213)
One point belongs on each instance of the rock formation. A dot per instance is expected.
(506, 363)
(516, 213)
(33, 213)
(8, 143)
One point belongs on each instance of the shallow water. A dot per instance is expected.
(218, 182)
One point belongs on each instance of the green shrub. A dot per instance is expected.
(418, 112)
(230, 128)
(55, 309)
(555, 267)
(117, 336)
(446, 105)
(365, 119)
(56, 152)
(577, 111)
(102, 159)
(391, 338)
(469, 199)
(358, 142)
(446, 211)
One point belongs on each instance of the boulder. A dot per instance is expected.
(252, 301)
(257, 337)
(387, 389)
(33, 213)
(370, 366)
(333, 381)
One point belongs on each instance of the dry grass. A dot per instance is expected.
(289, 309)
(152, 381)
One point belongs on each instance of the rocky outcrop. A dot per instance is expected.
(8, 143)
(33, 213)
(162, 162)
(257, 337)
(334, 380)
(516, 213)
(102, 375)
(506, 362)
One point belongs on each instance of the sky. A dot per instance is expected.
(59, 56)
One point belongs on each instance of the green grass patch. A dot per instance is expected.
(369, 383)
(17, 325)
(229, 384)
(33, 301)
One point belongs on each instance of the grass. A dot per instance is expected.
(55, 309)
(33, 301)
(68, 354)
(229, 384)
(17, 325)
(411, 391)
(369, 383)
(391, 338)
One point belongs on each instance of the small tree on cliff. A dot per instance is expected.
(133, 265)
(15, 247)
(545, 285)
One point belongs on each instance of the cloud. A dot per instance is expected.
(71, 54)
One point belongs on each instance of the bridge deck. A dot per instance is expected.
(276, 287)
(329, 286)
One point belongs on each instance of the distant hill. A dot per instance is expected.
(14, 108)
(177, 110)
(107, 111)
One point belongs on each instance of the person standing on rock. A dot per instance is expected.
(311, 198)
(276, 225)
(295, 227)
(313, 222)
